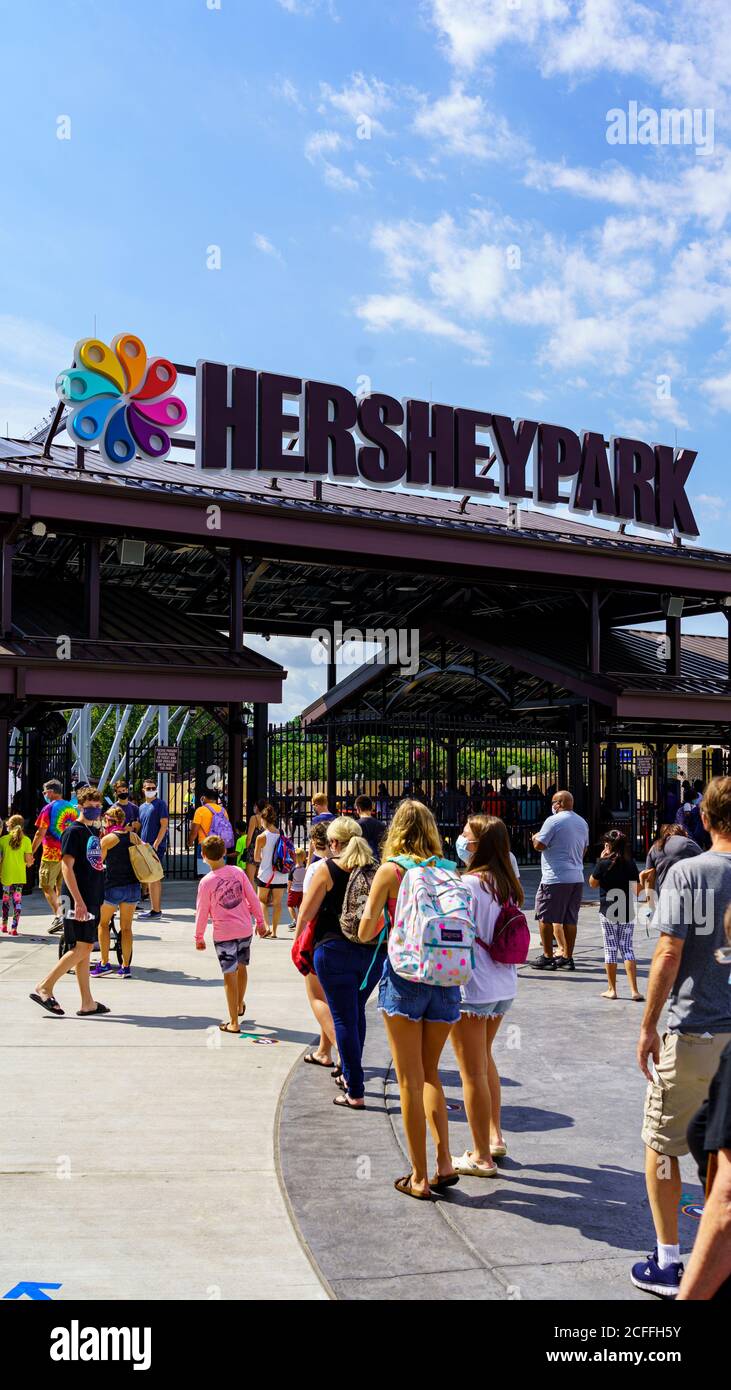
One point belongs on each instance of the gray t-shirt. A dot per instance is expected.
(675, 849)
(566, 837)
(692, 903)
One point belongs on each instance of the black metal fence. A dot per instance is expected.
(201, 768)
(455, 767)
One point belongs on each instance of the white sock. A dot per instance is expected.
(668, 1255)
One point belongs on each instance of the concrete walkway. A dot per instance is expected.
(140, 1150)
(137, 1150)
(568, 1214)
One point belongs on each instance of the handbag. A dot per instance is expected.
(145, 862)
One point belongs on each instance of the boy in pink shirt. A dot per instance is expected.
(228, 899)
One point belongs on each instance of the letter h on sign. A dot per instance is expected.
(226, 416)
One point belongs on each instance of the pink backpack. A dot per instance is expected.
(511, 938)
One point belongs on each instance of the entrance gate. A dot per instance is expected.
(454, 766)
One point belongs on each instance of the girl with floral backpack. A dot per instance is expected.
(418, 1009)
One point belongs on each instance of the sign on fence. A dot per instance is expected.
(166, 758)
(643, 766)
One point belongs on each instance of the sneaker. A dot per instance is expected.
(648, 1275)
(5, 926)
(100, 969)
(14, 931)
(563, 963)
(56, 925)
(543, 963)
(150, 916)
(125, 971)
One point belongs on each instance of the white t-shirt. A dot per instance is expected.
(490, 980)
(316, 862)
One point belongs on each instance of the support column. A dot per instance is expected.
(4, 767)
(727, 612)
(672, 628)
(594, 774)
(594, 633)
(91, 588)
(6, 578)
(235, 781)
(332, 667)
(236, 601)
(257, 788)
(331, 757)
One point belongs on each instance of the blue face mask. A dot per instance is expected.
(463, 852)
(92, 813)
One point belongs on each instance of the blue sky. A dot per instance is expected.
(389, 256)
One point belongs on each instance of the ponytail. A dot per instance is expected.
(16, 827)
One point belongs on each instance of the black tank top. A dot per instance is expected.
(328, 920)
(118, 872)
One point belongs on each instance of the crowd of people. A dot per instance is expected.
(376, 904)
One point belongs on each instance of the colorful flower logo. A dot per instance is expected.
(120, 400)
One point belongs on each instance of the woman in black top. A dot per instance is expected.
(612, 874)
(342, 964)
(121, 891)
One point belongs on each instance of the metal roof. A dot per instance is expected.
(182, 477)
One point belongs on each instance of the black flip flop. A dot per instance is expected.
(234, 1032)
(438, 1184)
(92, 1013)
(336, 1072)
(341, 1083)
(403, 1185)
(313, 1062)
(50, 1004)
(345, 1103)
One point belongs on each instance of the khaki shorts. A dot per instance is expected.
(686, 1068)
(50, 875)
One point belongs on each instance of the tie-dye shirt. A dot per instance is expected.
(55, 817)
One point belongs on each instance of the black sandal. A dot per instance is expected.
(314, 1061)
(438, 1184)
(91, 1013)
(336, 1072)
(50, 1004)
(345, 1103)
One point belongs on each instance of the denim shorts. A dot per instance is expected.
(125, 893)
(421, 1003)
(495, 1009)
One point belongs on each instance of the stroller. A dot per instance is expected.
(115, 940)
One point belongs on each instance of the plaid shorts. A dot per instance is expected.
(232, 954)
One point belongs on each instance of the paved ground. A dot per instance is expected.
(567, 1216)
(139, 1151)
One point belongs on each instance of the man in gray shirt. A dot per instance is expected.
(681, 1066)
(562, 840)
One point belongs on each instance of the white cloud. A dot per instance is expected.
(718, 391)
(263, 244)
(336, 178)
(384, 312)
(473, 29)
(288, 92)
(462, 125)
(31, 356)
(320, 143)
(361, 96)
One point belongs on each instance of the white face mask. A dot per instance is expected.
(150, 793)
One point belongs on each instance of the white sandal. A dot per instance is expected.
(469, 1167)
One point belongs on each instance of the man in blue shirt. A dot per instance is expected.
(154, 821)
(563, 841)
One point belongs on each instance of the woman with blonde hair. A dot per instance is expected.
(16, 857)
(417, 1016)
(347, 972)
(492, 880)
